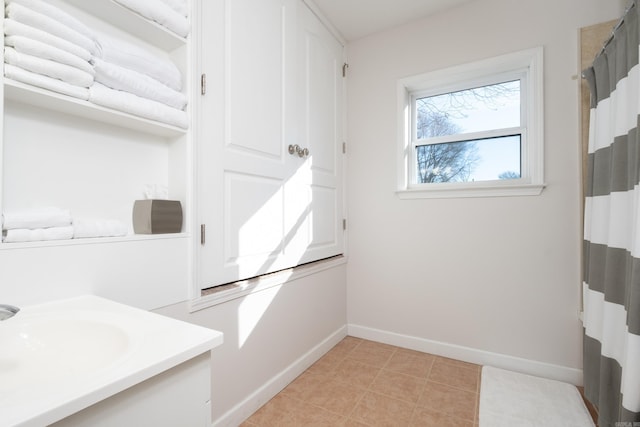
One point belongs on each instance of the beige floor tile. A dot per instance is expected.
(326, 364)
(372, 353)
(345, 346)
(449, 400)
(356, 373)
(458, 363)
(424, 417)
(378, 410)
(337, 397)
(400, 386)
(333, 357)
(411, 363)
(304, 386)
(285, 411)
(476, 419)
(277, 412)
(353, 423)
(313, 416)
(460, 375)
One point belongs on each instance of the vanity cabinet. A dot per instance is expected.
(179, 396)
(89, 361)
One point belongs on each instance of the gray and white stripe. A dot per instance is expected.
(611, 285)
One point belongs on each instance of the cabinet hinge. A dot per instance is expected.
(203, 84)
(344, 223)
(344, 148)
(203, 232)
(344, 69)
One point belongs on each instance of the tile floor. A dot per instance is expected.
(361, 383)
(364, 383)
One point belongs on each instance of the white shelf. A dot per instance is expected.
(131, 22)
(92, 241)
(43, 98)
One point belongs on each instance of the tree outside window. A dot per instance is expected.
(466, 112)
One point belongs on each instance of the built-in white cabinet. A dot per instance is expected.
(270, 150)
(62, 151)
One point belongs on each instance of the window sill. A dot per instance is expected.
(444, 191)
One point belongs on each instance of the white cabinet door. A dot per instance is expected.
(319, 211)
(264, 208)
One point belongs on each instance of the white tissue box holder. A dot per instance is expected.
(155, 216)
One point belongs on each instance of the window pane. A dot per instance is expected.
(473, 110)
(477, 160)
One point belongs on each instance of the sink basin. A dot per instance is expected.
(39, 350)
(63, 356)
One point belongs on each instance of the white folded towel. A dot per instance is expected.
(45, 51)
(120, 78)
(44, 217)
(130, 56)
(160, 12)
(179, 6)
(56, 13)
(45, 82)
(34, 19)
(49, 68)
(83, 228)
(39, 234)
(133, 104)
(15, 28)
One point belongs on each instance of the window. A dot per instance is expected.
(473, 130)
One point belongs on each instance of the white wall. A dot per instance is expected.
(270, 337)
(497, 275)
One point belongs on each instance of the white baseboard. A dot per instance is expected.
(243, 410)
(526, 366)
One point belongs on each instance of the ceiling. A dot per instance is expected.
(358, 18)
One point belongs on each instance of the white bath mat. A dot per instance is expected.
(510, 399)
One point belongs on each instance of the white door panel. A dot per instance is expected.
(325, 214)
(322, 81)
(254, 223)
(257, 66)
(297, 211)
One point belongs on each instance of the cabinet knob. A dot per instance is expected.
(296, 149)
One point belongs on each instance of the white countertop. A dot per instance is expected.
(61, 357)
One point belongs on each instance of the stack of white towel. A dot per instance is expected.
(131, 79)
(48, 48)
(37, 224)
(51, 223)
(171, 14)
(86, 228)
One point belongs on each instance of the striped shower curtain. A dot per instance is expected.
(611, 285)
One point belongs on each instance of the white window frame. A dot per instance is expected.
(525, 65)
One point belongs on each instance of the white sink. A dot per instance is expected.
(41, 350)
(60, 357)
